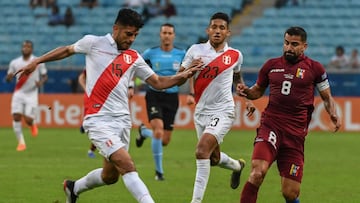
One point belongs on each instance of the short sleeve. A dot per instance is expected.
(263, 77)
(84, 44)
(145, 55)
(12, 68)
(42, 68)
(142, 69)
(320, 73)
(239, 63)
(188, 58)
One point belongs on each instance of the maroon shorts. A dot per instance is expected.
(273, 144)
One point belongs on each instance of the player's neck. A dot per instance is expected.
(167, 47)
(218, 47)
(26, 57)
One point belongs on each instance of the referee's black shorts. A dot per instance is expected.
(163, 106)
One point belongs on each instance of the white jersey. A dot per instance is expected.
(26, 85)
(213, 85)
(108, 73)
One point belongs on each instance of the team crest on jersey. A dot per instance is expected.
(300, 73)
(294, 170)
(226, 59)
(127, 58)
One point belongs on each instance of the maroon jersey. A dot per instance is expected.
(291, 94)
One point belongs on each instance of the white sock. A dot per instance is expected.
(91, 180)
(137, 187)
(18, 132)
(201, 179)
(228, 162)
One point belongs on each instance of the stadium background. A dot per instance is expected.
(257, 32)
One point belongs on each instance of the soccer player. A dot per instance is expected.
(110, 65)
(161, 105)
(24, 101)
(292, 79)
(215, 109)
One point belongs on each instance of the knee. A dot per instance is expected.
(110, 178)
(17, 117)
(257, 176)
(201, 153)
(290, 194)
(158, 133)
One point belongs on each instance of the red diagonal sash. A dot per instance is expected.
(213, 69)
(109, 78)
(21, 82)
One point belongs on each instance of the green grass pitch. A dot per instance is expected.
(332, 163)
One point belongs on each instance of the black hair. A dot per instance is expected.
(168, 25)
(340, 48)
(29, 42)
(222, 16)
(298, 31)
(129, 17)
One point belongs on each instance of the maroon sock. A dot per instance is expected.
(249, 193)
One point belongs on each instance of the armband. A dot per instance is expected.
(323, 85)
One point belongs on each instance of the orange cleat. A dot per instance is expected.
(20, 147)
(34, 130)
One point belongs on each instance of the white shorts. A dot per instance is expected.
(217, 124)
(108, 133)
(24, 105)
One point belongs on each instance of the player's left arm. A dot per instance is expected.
(250, 107)
(330, 107)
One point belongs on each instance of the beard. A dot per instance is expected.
(291, 57)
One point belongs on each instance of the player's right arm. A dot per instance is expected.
(251, 93)
(53, 55)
